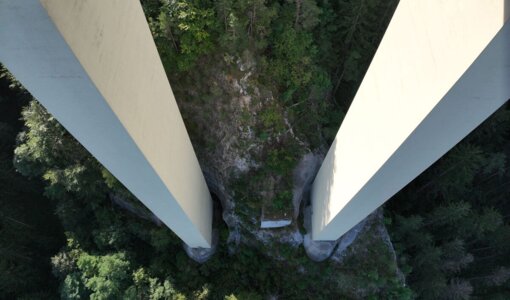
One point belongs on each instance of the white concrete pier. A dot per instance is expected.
(94, 65)
(441, 69)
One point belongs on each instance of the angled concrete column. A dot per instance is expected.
(94, 66)
(441, 69)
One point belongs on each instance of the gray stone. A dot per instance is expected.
(201, 255)
(347, 239)
(303, 175)
(318, 250)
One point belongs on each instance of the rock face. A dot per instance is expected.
(336, 250)
(303, 176)
(318, 250)
(347, 239)
(233, 142)
(201, 255)
(233, 136)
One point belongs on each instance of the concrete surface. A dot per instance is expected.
(441, 69)
(94, 65)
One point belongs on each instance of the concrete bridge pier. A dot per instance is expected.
(94, 66)
(441, 69)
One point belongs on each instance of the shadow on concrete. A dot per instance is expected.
(506, 10)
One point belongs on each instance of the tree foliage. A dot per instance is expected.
(189, 29)
(450, 226)
(447, 220)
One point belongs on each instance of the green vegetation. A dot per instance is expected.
(451, 225)
(268, 81)
(29, 231)
(188, 27)
(295, 63)
(112, 253)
